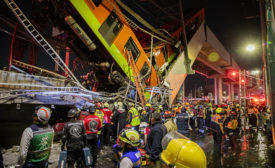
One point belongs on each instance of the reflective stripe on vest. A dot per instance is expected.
(135, 117)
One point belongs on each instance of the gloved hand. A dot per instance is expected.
(116, 148)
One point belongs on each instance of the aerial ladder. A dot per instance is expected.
(137, 80)
(40, 39)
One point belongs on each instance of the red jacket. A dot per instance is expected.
(92, 124)
(107, 115)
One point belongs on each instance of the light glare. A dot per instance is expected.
(250, 48)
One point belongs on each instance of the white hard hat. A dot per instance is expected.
(43, 114)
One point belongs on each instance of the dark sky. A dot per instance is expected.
(236, 23)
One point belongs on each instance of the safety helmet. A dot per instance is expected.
(160, 107)
(130, 104)
(219, 110)
(167, 114)
(120, 105)
(187, 104)
(129, 136)
(72, 113)
(128, 126)
(148, 105)
(139, 108)
(233, 113)
(106, 105)
(237, 105)
(179, 151)
(92, 109)
(43, 114)
(99, 105)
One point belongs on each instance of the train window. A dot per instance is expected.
(130, 45)
(144, 69)
(110, 28)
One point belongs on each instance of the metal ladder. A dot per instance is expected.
(39, 38)
(139, 87)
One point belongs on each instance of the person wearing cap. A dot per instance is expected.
(153, 146)
(129, 141)
(74, 138)
(92, 125)
(107, 128)
(180, 152)
(36, 141)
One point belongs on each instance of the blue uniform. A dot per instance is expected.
(134, 155)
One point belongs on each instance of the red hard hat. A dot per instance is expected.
(99, 105)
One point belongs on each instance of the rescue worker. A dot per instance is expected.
(134, 119)
(83, 113)
(139, 109)
(100, 114)
(148, 109)
(107, 128)
(216, 126)
(208, 115)
(153, 146)
(169, 123)
(182, 121)
(200, 119)
(120, 117)
(114, 122)
(266, 118)
(74, 138)
(192, 115)
(129, 141)
(160, 109)
(143, 116)
(180, 152)
(252, 114)
(232, 130)
(92, 125)
(36, 141)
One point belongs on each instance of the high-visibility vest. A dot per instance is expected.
(233, 124)
(135, 117)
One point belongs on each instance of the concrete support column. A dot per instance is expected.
(216, 90)
(181, 94)
(219, 90)
(232, 92)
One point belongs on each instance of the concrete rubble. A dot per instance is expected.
(105, 157)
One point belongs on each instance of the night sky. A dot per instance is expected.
(236, 23)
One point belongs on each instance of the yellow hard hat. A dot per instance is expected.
(106, 105)
(187, 104)
(130, 104)
(219, 110)
(182, 153)
(148, 105)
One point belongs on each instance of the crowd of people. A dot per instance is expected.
(154, 136)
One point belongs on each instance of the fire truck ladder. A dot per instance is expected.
(139, 87)
(40, 39)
